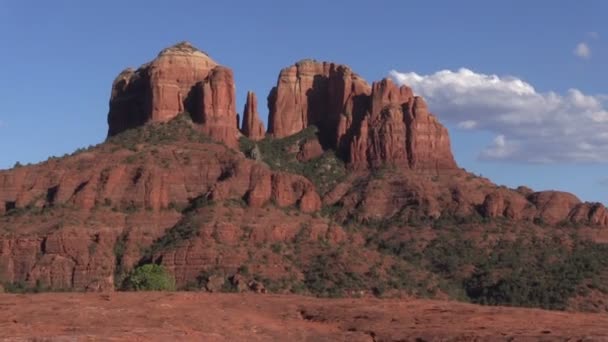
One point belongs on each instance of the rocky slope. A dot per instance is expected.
(68, 214)
(360, 175)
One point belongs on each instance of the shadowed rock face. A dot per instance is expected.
(368, 126)
(181, 78)
(214, 106)
(314, 93)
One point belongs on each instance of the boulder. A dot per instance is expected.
(310, 149)
(256, 286)
(215, 283)
(553, 206)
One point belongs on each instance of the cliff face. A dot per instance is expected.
(368, 126)
(182, 78)
(79, 222)
(314, 93)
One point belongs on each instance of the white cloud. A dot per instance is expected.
(467, 124)
(499, 149)
(530, 126)
(583, 50)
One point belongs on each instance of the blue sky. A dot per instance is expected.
(522, 59)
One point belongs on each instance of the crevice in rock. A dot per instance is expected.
(51, 194)
(409, 143)
(10, 205)
(80, 187)
(73, 276)
(138, 173)
(43, 246)
(226, 173)
(228, 170)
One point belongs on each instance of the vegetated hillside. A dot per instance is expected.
(353, 191)
(93, 237)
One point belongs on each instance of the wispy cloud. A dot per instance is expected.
(583, 50)
(467, 124)
(530, 126)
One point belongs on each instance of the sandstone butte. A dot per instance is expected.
(81, 222)
(181, 78)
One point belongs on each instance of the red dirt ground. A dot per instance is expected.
(246, 317)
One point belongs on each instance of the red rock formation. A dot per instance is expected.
(90, 199)
(385, 94)
(369, 126)
(553, 206)
(62, 221)
(311, 149)
(507, 204)
(178, 80)
(402, 132)
(314, 93)
(310, 201)
(387, 138)
(358, 147)
(548, 207)
(215, 106)
(253, 127)
(66, 259)
(594, 213)
(98, 178)
(428, 143)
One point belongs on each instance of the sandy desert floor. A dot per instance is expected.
(246, 317)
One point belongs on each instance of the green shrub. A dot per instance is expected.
(330, 275)
(22, 287)
(543, 275)
(325, 171)
(179, 128)
(183, 230)
(150, 277)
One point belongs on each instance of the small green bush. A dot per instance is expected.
(325, 171)
(150, 277)
(179, 128)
